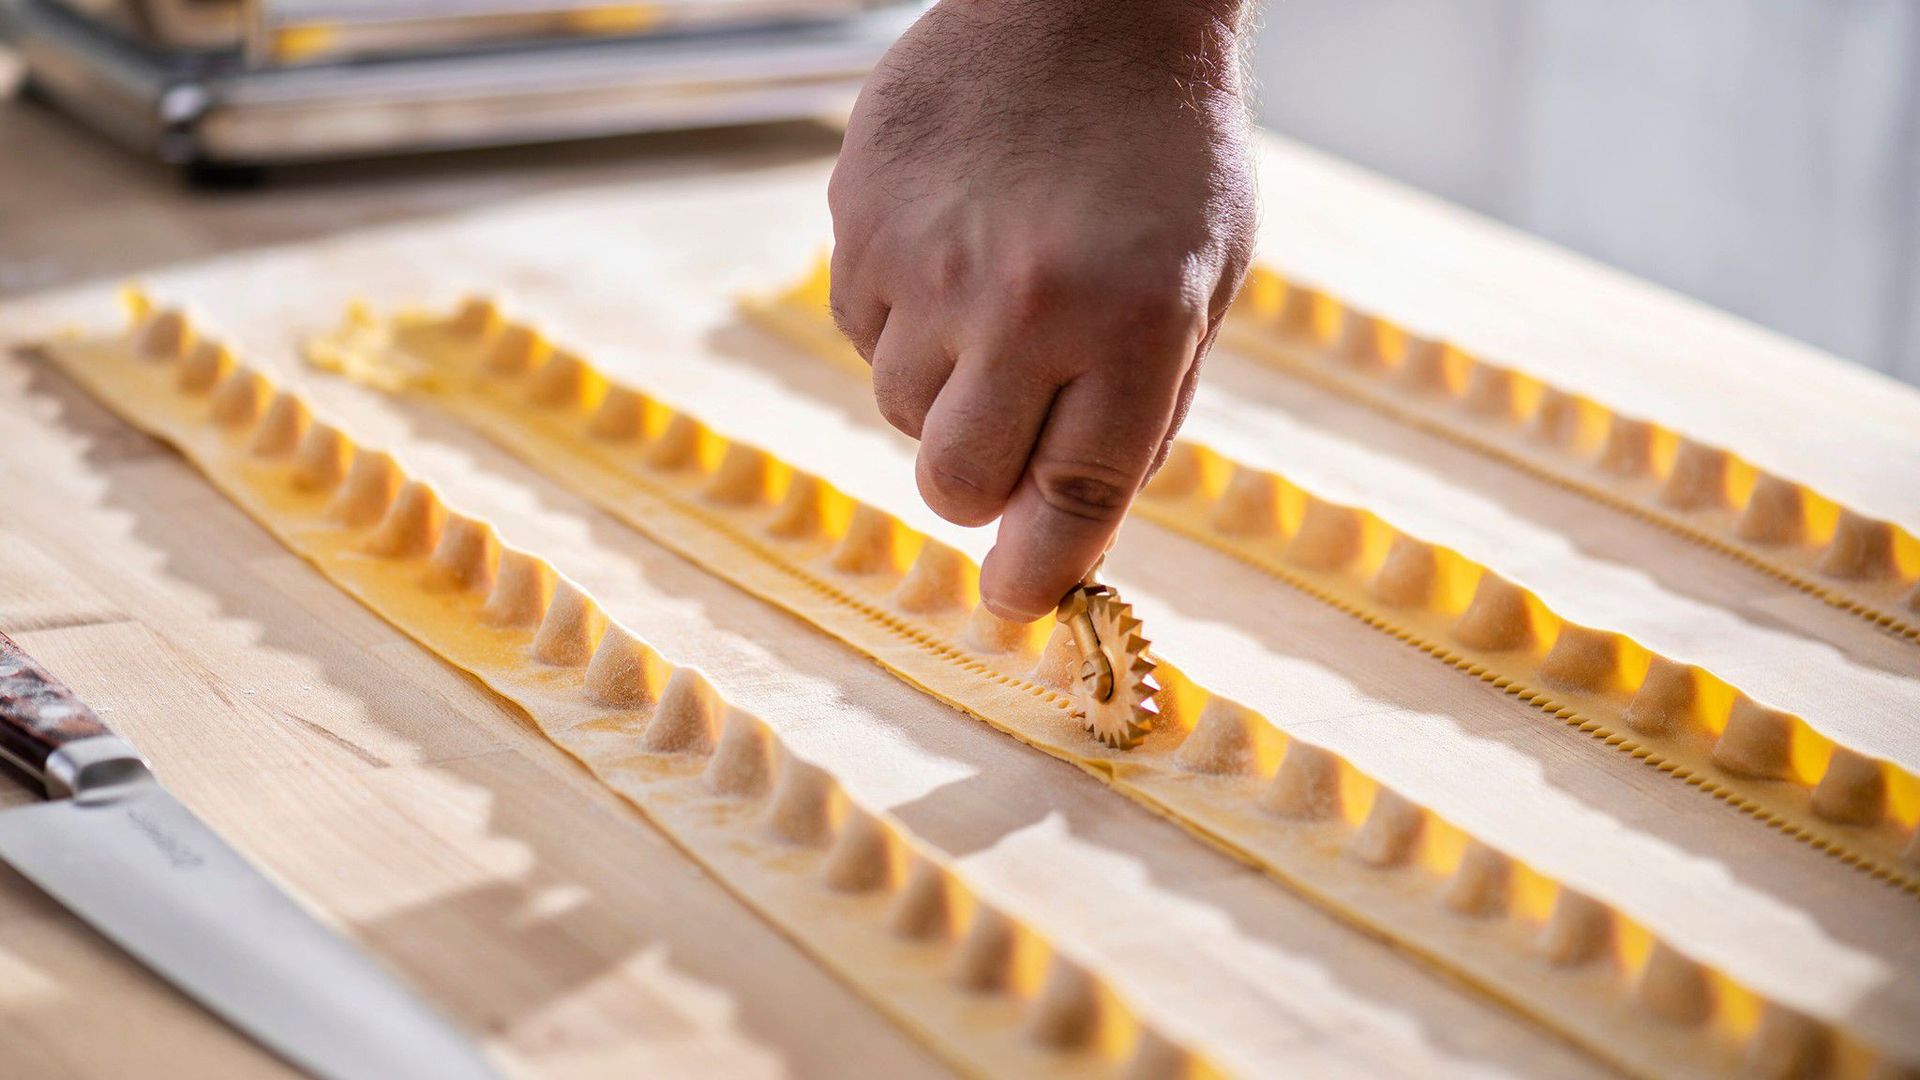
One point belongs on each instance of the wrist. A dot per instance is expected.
(1197, 42)
(1208, 33)
(1230, 16)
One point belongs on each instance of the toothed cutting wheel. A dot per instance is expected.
(1113, 692)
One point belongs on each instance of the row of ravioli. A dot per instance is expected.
(930, 591)
(1690, 478)
(1658, 699)
(672, 711)
(1526, 645)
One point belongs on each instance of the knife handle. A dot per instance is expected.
(39, 714)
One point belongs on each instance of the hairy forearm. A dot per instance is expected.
(1018, 66)
(1192, 40)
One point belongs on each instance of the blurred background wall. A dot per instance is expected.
(1762, 155)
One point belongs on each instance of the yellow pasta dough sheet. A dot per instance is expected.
(1861, 564)
(853, 888)
(1307, 816)
(1678, 717)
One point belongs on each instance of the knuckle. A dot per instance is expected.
(899, 416)
(1139, 306)
(1084, 489)
(837, 199)
(900, 403)
(955, 480)
(1225, 291)
(1037, 287)
(839, 195)
(959, 494)
(1159, 305)
(848, 190)
(1236, 258)
(952, 272)
(854, 324)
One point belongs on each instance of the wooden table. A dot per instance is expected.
(433, 824)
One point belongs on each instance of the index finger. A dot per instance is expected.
(1100, 440)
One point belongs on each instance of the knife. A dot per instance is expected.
(113, 847)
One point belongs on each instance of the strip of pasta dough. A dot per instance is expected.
(853, 887)
(1675, 716)
(1857, 563)
(1305, 815)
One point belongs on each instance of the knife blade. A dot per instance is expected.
(116, 849)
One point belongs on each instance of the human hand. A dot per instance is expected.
(1042, 210)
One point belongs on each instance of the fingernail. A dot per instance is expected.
(1010, 613)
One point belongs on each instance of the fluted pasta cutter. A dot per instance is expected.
(1114, 688)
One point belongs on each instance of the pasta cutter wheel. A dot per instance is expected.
(1113, 691)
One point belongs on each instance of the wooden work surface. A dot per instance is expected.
(433, 824)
